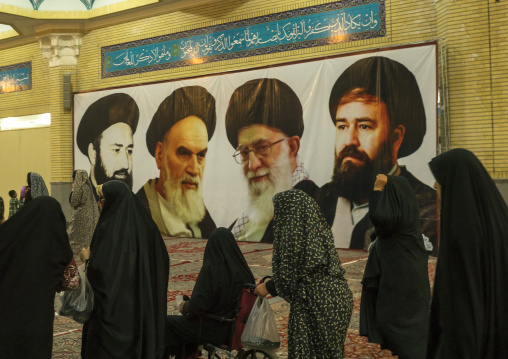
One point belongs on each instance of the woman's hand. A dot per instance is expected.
(84, 254)
(380, 183)
(98, 189)
(261, 290)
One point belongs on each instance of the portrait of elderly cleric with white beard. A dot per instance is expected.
(105, 137)
(178, 140)
(264, 124)
(379, 117)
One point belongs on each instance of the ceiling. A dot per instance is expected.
(59, 4)
(21, 23)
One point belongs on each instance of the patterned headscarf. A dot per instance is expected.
(81, 180)
(36, 186)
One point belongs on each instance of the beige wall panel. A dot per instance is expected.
(23, 151)
(34, 152)
(9, 167)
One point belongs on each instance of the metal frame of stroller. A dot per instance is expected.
(239, 319)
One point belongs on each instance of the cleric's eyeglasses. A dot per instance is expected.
(261, 149)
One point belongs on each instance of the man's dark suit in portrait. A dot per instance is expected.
(178, 140)
(105, 137)
(264, 124)
(379, 116)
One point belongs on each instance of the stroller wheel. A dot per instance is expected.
(256, 354)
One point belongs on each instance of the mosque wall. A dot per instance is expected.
(28, 150)
(471, 33)
(407, 21)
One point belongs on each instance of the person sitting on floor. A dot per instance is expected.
(221, 278)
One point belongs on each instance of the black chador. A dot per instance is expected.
(394, 310)
(128, 271)
(34, 251)
(469, 317)
(221, 278)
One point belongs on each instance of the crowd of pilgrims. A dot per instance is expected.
(128, 270)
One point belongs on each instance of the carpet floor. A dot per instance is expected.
(186, 258)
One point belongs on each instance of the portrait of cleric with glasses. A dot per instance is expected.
(264, 124)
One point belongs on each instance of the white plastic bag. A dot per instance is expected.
(261, 329)
(77, 304)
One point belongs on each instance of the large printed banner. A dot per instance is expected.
(212, 151)
(340, 21)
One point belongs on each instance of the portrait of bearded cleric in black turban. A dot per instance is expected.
(379, 117)
(105, 136)
(264, 124)
(178, 138)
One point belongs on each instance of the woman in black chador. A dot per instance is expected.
(221, 278)
(394, 309)
(308, 274)
(34, 251)
(469, 315)
(128, 271)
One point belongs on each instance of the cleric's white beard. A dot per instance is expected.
(187, 204)
(280, 178)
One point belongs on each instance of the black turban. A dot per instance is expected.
(268, 102)
(392, 83)
(102, 114)
(182, 103)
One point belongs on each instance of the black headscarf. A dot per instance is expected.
(36, 186)
(394, 310)
(469, 317)
(34, 251)
(129, 272)
(222, 276)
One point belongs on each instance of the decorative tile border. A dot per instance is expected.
(17, 77)
(342, 21)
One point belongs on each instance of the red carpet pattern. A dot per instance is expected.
(186, 259)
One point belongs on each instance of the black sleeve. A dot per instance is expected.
(270, 287)
(308, 187)
(374, 200)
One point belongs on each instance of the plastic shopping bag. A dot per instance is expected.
(261, 330)
(77, 304)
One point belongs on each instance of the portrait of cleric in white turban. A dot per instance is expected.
(105, 137)
(264, 124)
(379, 117)
(178, 140)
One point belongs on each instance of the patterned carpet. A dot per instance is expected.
(186, 259)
